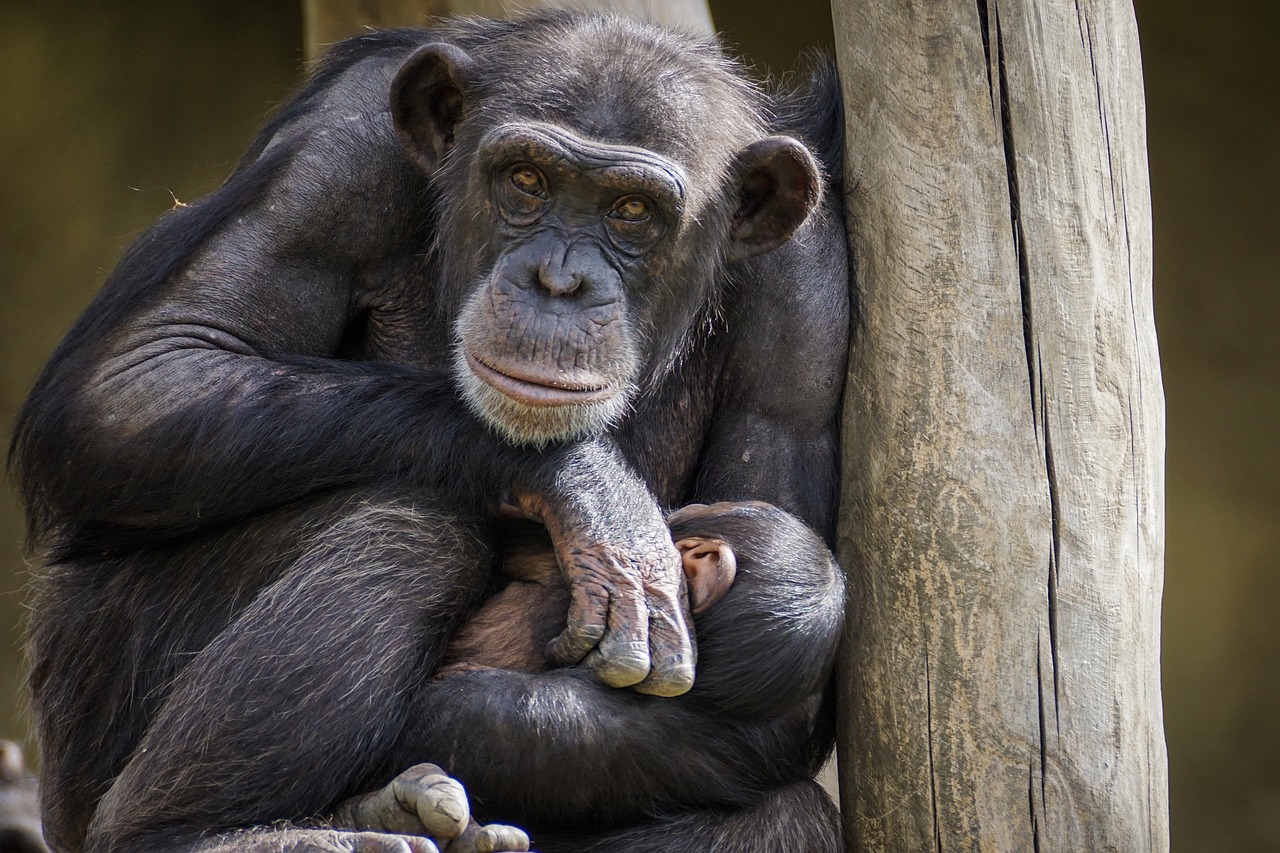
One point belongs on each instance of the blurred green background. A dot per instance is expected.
(110, 112)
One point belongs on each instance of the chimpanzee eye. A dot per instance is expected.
(630, 208)
(528, 180)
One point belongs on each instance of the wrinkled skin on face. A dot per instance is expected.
(545, 347)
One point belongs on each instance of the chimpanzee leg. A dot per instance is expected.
(296, 700)
(794, 818)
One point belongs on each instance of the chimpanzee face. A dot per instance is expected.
(546, 345)
(578, 247)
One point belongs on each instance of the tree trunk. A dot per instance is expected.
(327, 21)
(1002, 517)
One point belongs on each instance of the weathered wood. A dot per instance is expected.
(1004, 432)
(327, 21)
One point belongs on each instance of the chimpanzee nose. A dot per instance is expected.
(559, 277)
(576, 266)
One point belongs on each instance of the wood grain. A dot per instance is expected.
(1004, 432)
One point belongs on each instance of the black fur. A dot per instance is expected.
(261, 506)
(764, 653)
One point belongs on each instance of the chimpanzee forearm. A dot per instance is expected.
(193, 435)
(559, 748)
(219, 433)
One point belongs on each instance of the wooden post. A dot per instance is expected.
(327, 21)
(1004, 432)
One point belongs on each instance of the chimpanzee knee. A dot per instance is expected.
(353, 608)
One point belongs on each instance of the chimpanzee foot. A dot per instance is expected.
(425, 801)
(372, 842)
(312, 841)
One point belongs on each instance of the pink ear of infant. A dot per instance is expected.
(710, 567)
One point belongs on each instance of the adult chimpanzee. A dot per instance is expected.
(580, 266)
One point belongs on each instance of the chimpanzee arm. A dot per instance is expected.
(559, 748)
(205, 383)
(774, 437)
(202, 383)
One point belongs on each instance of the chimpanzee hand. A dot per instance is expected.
(629, 614)
(424, 801)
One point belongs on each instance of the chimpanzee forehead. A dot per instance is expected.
(629, 84)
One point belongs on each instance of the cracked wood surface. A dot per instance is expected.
(1004, 432)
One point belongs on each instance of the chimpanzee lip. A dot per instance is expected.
(536, 390)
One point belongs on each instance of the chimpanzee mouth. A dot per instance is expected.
(534, 390)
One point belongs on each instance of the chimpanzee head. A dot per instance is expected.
(594, 178)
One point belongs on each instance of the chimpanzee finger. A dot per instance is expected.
(624, 650)
(672, 646)
(439, 801)
(499, 838)
(379, 811)
(494, 838)
(588, 606)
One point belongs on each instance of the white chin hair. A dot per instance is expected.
(523, 424)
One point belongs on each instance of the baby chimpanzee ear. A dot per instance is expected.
(778, 187)
(428, 97)
(710, 567)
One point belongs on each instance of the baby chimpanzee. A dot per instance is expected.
(555, 748)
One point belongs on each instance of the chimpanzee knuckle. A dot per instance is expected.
(584, 629)
(662, 586)
(380, 811)
(388, 815)
(585, 626)
(662, 571)
(618, 672)
(416, 777)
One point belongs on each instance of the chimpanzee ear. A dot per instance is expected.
(428, 97)
(710, 568)
(778, 187)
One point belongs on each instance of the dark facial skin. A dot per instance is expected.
(261, 471)
(546, 347)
